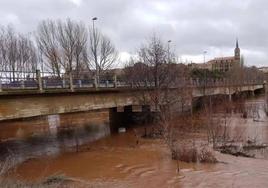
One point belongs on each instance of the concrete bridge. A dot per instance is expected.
(16, 104)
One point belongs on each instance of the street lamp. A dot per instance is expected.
(205, 52)
(169, 41)
(93, 20)
(95, 51)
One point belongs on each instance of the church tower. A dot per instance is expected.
(237, 51)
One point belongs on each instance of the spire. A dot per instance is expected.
(237, 45)
(237, 51)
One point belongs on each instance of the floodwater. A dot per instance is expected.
(124, 160)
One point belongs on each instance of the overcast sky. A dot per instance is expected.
(193, 26)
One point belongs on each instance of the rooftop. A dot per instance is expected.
(224, 58)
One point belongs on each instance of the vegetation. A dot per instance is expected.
(53, 181)
(191, 153)
(204, 74)
(154, 72)
(59, 47)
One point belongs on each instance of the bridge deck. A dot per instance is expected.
(29, 103)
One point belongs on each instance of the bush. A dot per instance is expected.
(206, 155)
(184, 153)
(192, 154)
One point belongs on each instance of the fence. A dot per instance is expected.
(47, 80)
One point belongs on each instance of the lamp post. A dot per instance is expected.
(168, 51)
(95, 51)
(93, 20)
(204, 53)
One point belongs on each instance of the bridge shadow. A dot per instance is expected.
(129, 117)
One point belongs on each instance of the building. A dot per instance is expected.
(264, 69)
(199, 66)
(224, 64)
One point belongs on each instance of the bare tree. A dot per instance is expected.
(63, 43)
(241, 74)
(1, 47)
(48, 44)
(80, 48)
(102, 53)
(160, 74)
(161, 80)
(18, 54)
(9, 52)
(135, 73)
(27, 54)
(166, 90)
(72, 38)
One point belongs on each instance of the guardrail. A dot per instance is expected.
(45, 81)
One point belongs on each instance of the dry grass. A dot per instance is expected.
(192, 154)
(54, 182)
(6, 167)
(206, 155)
(184, 153)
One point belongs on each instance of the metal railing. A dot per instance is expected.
(46, 80)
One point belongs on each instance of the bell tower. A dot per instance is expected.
(237, 51)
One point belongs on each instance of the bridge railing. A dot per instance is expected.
(17, 80)
(14, 80)
(224, 82)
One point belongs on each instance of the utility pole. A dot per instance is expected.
(169, 51)
(204, 53)
(95, 50)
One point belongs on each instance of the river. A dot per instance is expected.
(123, 160)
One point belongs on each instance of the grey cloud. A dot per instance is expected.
(192, 25)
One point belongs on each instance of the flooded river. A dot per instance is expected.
(124, 160)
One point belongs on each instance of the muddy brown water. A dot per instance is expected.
(118, 161)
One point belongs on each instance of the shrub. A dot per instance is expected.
(188, 153)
